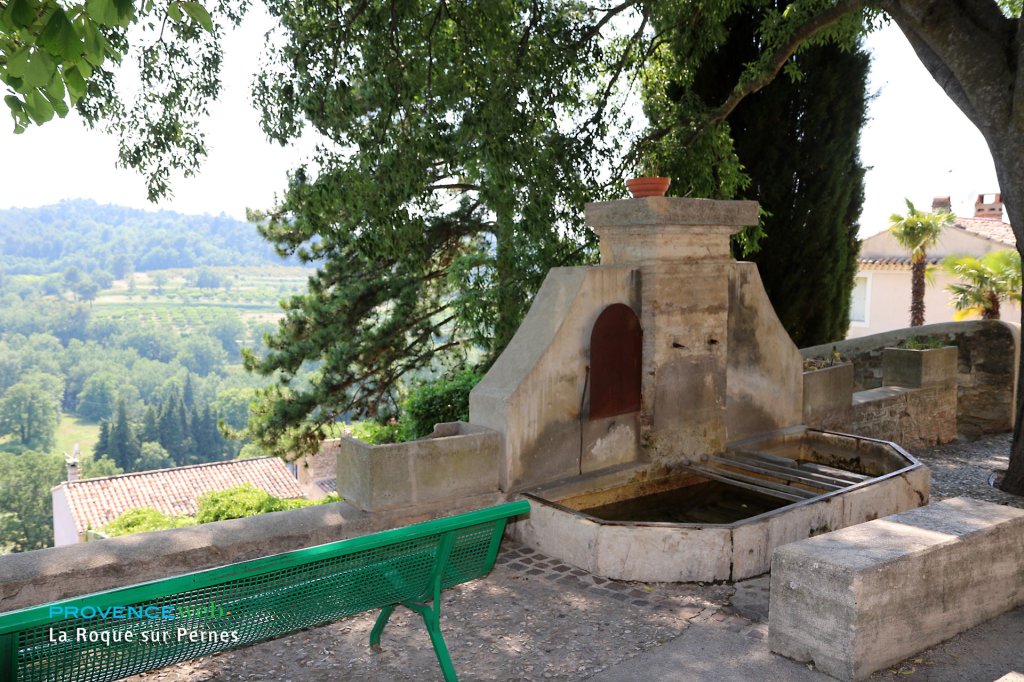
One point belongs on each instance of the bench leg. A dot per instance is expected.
(440, 648)
(432, 619)
(378, 627)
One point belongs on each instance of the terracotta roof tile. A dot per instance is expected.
(96, 502)
(890, 262)
(989, 228)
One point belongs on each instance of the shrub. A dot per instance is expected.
(143, 520)
(923, 342)
(247, 500)
(220, 505)
(445, 399)
(376, 433)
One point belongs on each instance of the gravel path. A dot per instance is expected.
(535, 618)
(964, 469)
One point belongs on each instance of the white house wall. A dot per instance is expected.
(888, 304)
(64, 531)
(953, 240)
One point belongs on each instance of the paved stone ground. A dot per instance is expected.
(535, 618)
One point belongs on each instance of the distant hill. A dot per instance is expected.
(91, 236)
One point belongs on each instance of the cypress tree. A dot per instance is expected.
(150, 428)
(188, 397)
(186, 422)
(122, 446)
(171, 428)
(209, 443)
(800, 143)
(102, 446)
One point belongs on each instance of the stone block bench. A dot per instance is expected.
(865, 597)
(121, 632)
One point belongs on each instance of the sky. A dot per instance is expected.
(916, 144)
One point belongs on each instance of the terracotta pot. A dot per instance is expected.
(648, 187)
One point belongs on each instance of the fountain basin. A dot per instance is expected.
(721, 518)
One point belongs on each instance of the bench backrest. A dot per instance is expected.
(124, 631)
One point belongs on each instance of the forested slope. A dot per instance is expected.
(90, 236)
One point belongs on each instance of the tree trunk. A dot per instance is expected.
(1008, 154)
(976, 55)
(991, 311)
(917, 292)
(505, 322)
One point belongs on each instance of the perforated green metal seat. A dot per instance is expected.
(129, 630)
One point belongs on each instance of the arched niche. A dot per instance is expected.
(616, 350)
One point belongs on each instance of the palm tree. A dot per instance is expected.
(917, 232)
(986, 282)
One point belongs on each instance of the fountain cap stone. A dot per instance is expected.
(660, 229)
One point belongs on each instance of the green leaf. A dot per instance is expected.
(14, 103)
(58, 104)
(174, 12)
(103, 12)
(39, 70)
(38, 108)
(199, 14)
(55, 89)
(21, 13)
(59, 37)
(17, 113)
(74, 82)
(18, 63)
(125, 11)
(96, 46)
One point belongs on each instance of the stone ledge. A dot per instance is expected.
(865, 597)
(46, 575)
(667, 211)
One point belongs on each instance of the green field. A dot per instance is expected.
(254, 293)
(73, 430)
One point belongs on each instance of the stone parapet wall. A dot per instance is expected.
(456, 461)
(912, 417)
(46, 575)
(986, 370)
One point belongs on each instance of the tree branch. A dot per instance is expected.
(609, 14)
(819, 22)
(970, 51)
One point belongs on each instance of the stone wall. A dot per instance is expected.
(45, 575)
(764, 376)
(912, 417)
(535, 394)
(986, 373)
(456, 461)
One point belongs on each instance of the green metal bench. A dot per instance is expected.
(129, 630)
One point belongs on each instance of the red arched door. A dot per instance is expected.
(616, 350)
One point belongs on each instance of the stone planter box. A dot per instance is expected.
(919, 368)
(457, 460)
(827, 391)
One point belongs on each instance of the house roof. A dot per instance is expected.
(95, 502)
(989, 229)
(993, 230)
(891, 263)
